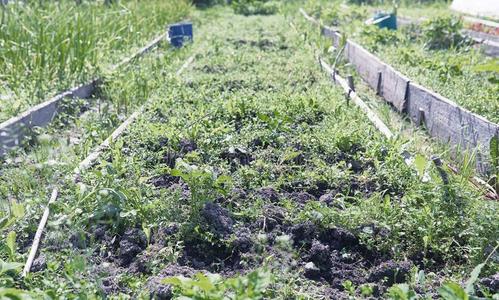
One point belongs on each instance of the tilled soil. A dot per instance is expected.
(326, 255)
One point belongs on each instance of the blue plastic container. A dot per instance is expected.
(180, 33)
(385, 20)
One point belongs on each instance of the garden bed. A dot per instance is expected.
(445, 120)
(252, 176)
(16, 131)
(452, 71)
(63, 44)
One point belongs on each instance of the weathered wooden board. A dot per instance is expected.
(392, 85)
(481, 36)
(451, 123)
(331, 33)
(367, 65)
(490, 48)
(15, 130)
(394, 88)
(488, 42)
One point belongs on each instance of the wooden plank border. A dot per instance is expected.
(371, 115)
(452, 124)
(17, 129)
(490, 193)
(444, 119)
(489, 43)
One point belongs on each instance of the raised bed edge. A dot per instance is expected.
(16, 129)
(443, 118)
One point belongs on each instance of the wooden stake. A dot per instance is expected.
(421, 117)
(350, 82)
(38, 234)
(378, 86)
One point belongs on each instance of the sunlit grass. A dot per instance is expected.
(46, 47)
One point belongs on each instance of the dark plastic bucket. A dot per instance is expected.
(179, 33)
(384, 20)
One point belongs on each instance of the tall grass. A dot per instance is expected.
(49, 46)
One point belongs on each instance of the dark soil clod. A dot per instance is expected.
(163, 141)
(273, 216)
(338, 238)
(217, 219)
(258, 143)
(319, 254)
(243, 242)
(238, 194)
(170, 158)
(160, 291)
(78, 240)
(163, 181)
(39, 264)
(269, 194)
(99, 232)
(237, 155)
(375, 230)
(356, 166)
(187, 146)
(132, 243)
(163, 233)
(327, 199)
(311, 271)
(491, 283)
(302, 197)
(390, 272)
(303, 234)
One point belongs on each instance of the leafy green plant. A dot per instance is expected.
(443, 33)
(13, 293)
(491, 69)
(204, 184)
(254, 7)
(401, 292)
(17, 211)
(420, 162)
(366, 290)
(213, 287)
(10, 242)
(448, 291)
(8, 271)
(375, 37)
(349, 287)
